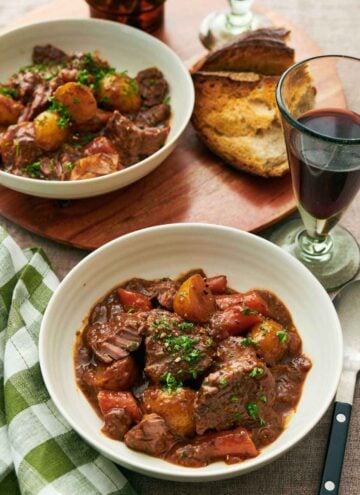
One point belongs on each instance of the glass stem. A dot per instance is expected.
(314, 248)
(240, 16)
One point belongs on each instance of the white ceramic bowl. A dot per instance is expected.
(169, 250)
(125, 48)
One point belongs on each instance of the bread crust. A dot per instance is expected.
(235, 112)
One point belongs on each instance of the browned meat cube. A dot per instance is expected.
(176, 350)
(132, 143)
(119, 375)
(116, 338)
(235, 394)
(48, 54)
(117, 423)
(163, 290)
(18, 147)
(153, 116)
(153, 86)
(151, 435)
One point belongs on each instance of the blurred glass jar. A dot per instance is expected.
(147, 15)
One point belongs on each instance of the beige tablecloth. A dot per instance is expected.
(335, 26)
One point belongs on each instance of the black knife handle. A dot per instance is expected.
(330, 481)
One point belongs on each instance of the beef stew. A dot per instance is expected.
(71, 117)
(190, 370)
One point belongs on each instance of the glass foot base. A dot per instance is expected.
(215, 29)
(334, 268)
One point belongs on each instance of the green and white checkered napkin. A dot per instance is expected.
(39, 453)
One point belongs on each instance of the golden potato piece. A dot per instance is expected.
(177, 408)
(95, 166)
(78, 99)
(272, 340)
(120, 92)
(194, 300)
(10, 110)
(49, 134)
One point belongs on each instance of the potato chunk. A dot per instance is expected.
(120, 92)
(194, 300)
(78, 99)
(10, 110)
(49, 134)
(272, 340)
(177, 408)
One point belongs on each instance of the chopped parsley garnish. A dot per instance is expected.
(223, 382)
(256, 372)
(92, 71)
(33, 169)
(209, 342)
(264, 330)
(167, 99)
(65, 116)
(131, 310)
(263, 398)
(238, 416)
(183, 454)
(248, 341)
(248, 311)
(282, 336)
(69, 166)
(170, 382)
(234, 398)
(253, 410)
(160, 323)
(12, 93)
(185, 326)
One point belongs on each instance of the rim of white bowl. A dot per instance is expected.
(225, 471)
(127, 29)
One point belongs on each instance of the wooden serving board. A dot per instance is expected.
(192, 185)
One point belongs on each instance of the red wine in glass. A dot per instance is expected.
(325, 175)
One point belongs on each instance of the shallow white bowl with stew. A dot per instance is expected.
(167, 251)
(125, 48)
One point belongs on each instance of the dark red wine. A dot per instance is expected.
(325, 175)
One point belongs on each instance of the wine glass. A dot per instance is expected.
(323, 148)
(221, 26)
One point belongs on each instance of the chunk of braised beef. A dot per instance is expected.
(118, 375)
(153, 116)
(39, 102)
(95, 124)
(117, 337)
(106, 309)
(117, 423)
(176, 350)
(51, 168)
(153, 86)
(100, 144)
(231, 446)
(132, 143)
(232, 395)
(25, 84)
(48, 54)
(163, 290)
(288, 378)
(18, 147)
(151, 435)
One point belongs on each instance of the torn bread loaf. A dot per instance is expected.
(235, 112)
